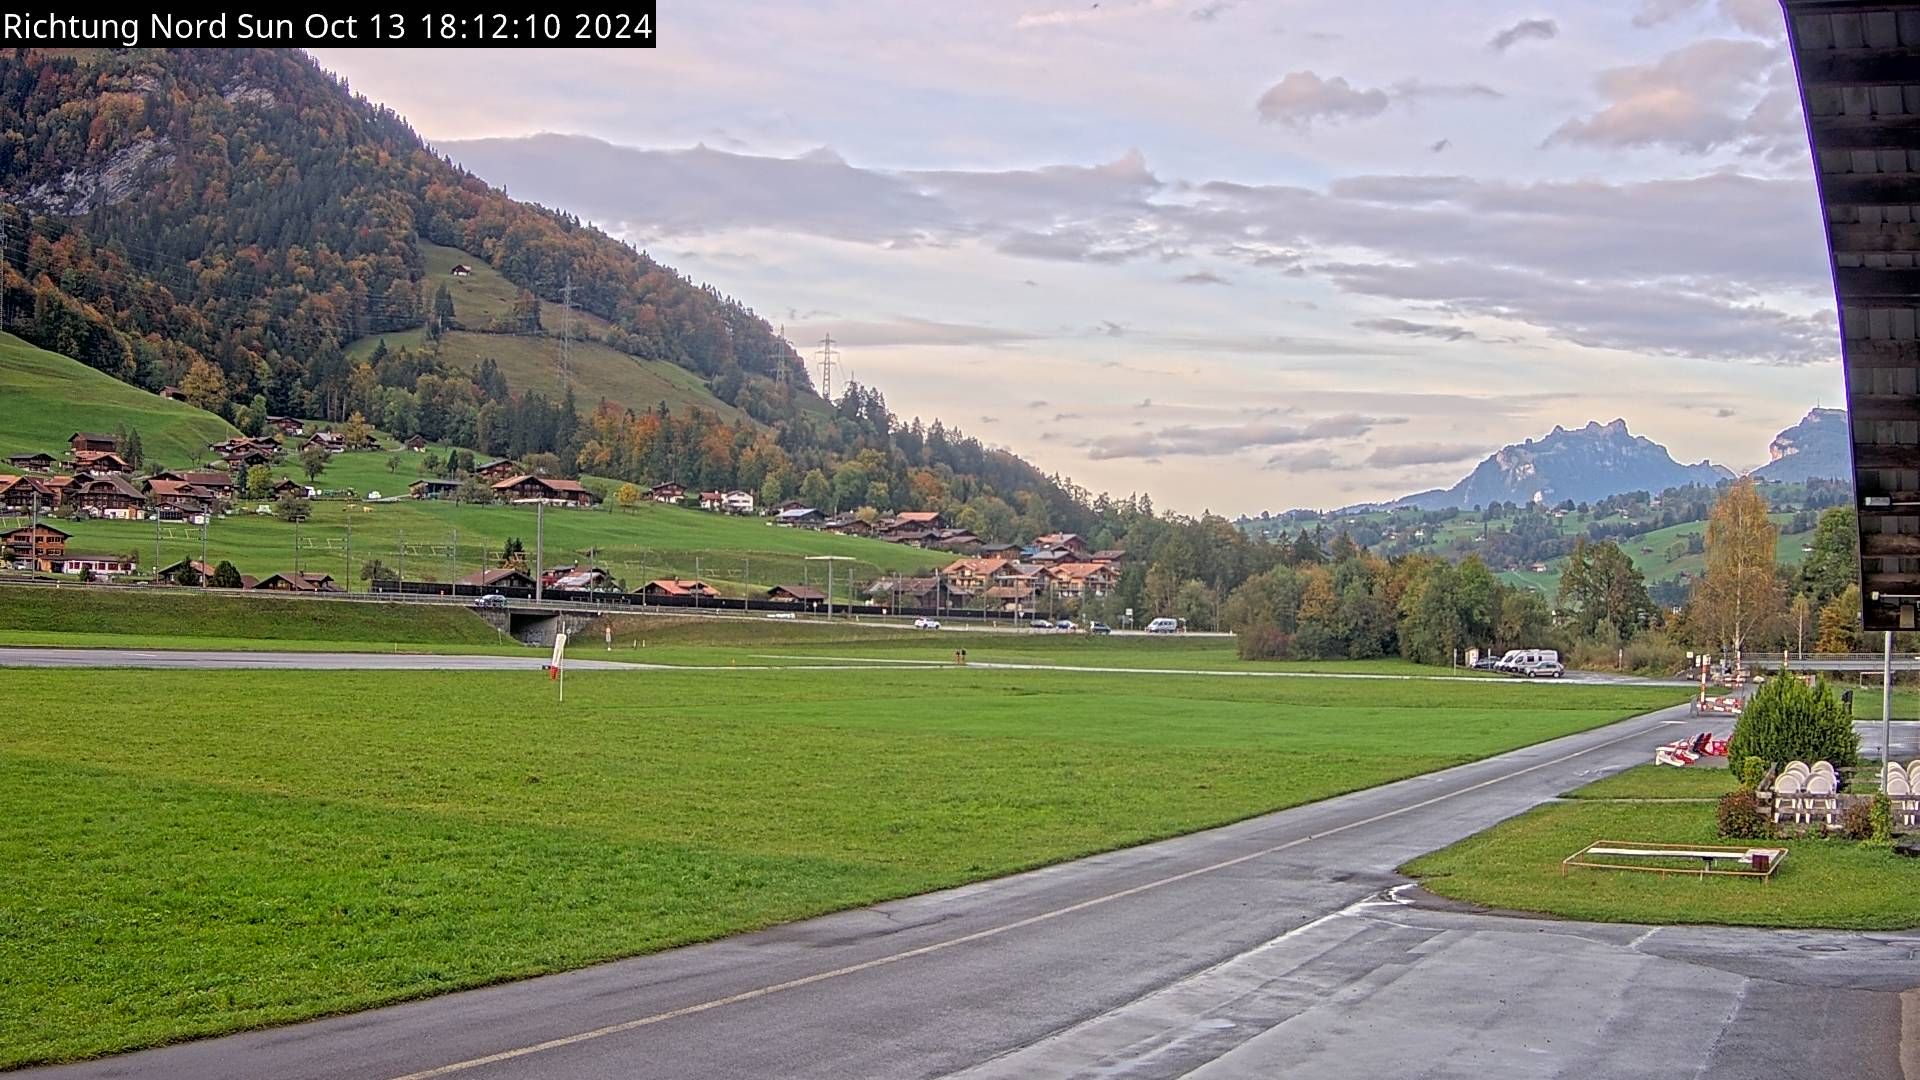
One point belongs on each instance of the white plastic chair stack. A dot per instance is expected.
(1821, 802)
(1786, 795)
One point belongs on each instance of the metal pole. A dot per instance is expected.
(539, 549)
(1886, 709)
(349, 560)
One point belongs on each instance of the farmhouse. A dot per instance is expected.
(461, 270)
(920, 519)
(805, 517)
(737, 502)
(668, 492)
(497, 469)
(847, 525)
(1072, 543)
(532, 489)
(32, 546)
(675, 587)
(417, 444)
(431, 488)
(180, 495)
(500, 577)
(36, 462)
(287, 487)
(24, 494)
(796, 594)
(100, 461)
(108, 495)
(170, 573)
(173, 393)
(331, 441)
(288, 426)
(297, 581)
(92, 443)
(218, 481)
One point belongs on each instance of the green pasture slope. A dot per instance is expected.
(441, 541)
(196, 852)
(46, 397)
(532, 361)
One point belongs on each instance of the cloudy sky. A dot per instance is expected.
(1239, 255)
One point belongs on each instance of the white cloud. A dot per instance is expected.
(1695, 99)
(1301, 97)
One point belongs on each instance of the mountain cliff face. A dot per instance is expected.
(1814, 449)
(1584, 464)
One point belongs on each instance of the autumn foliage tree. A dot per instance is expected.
(1741, 594)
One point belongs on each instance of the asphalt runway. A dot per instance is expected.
(1280, 946)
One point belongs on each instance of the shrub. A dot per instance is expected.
(1741, 818)
(1881, 818)
(1788, 720)
(1752, 769)
(1264, 643)
(1856, 820)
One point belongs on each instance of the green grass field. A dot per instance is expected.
(532, 362)
(46, 397)
(441, 541)
(192, 618)
(1516, 865)
(195, 852)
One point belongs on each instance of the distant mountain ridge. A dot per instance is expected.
(1816, 448)
(1583, 464)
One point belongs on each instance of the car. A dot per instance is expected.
(1163, 625)
(493, 599)
(781, 615)
(926, 624)
(1543, 669)
(1099, 628)
(1041, 624)
(1067, 625)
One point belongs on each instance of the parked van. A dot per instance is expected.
(1522, 661)
(1163, 626)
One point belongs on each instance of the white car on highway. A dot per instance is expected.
(926, 624)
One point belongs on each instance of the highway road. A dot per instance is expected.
(1282, 945)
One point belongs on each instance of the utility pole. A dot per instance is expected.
(1886, 712)
(349, 558)
(33, 528)
(746, 578)
(827, 354)
(696, 583)
(782, 374)
(205, 516)
(539, 549)
(453, 555)
(403, 560)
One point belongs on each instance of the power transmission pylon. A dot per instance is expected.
(827, 354)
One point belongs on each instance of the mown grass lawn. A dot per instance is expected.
(1660, 782)
(189, 853)
(194, 618)
(1516, 865)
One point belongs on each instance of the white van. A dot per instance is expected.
(1519, 661)
(1163, 625)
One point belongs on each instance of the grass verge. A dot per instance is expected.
(1825, 883)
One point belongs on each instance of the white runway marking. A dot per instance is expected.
(990, 932)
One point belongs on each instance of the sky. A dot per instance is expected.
(1237, 255)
